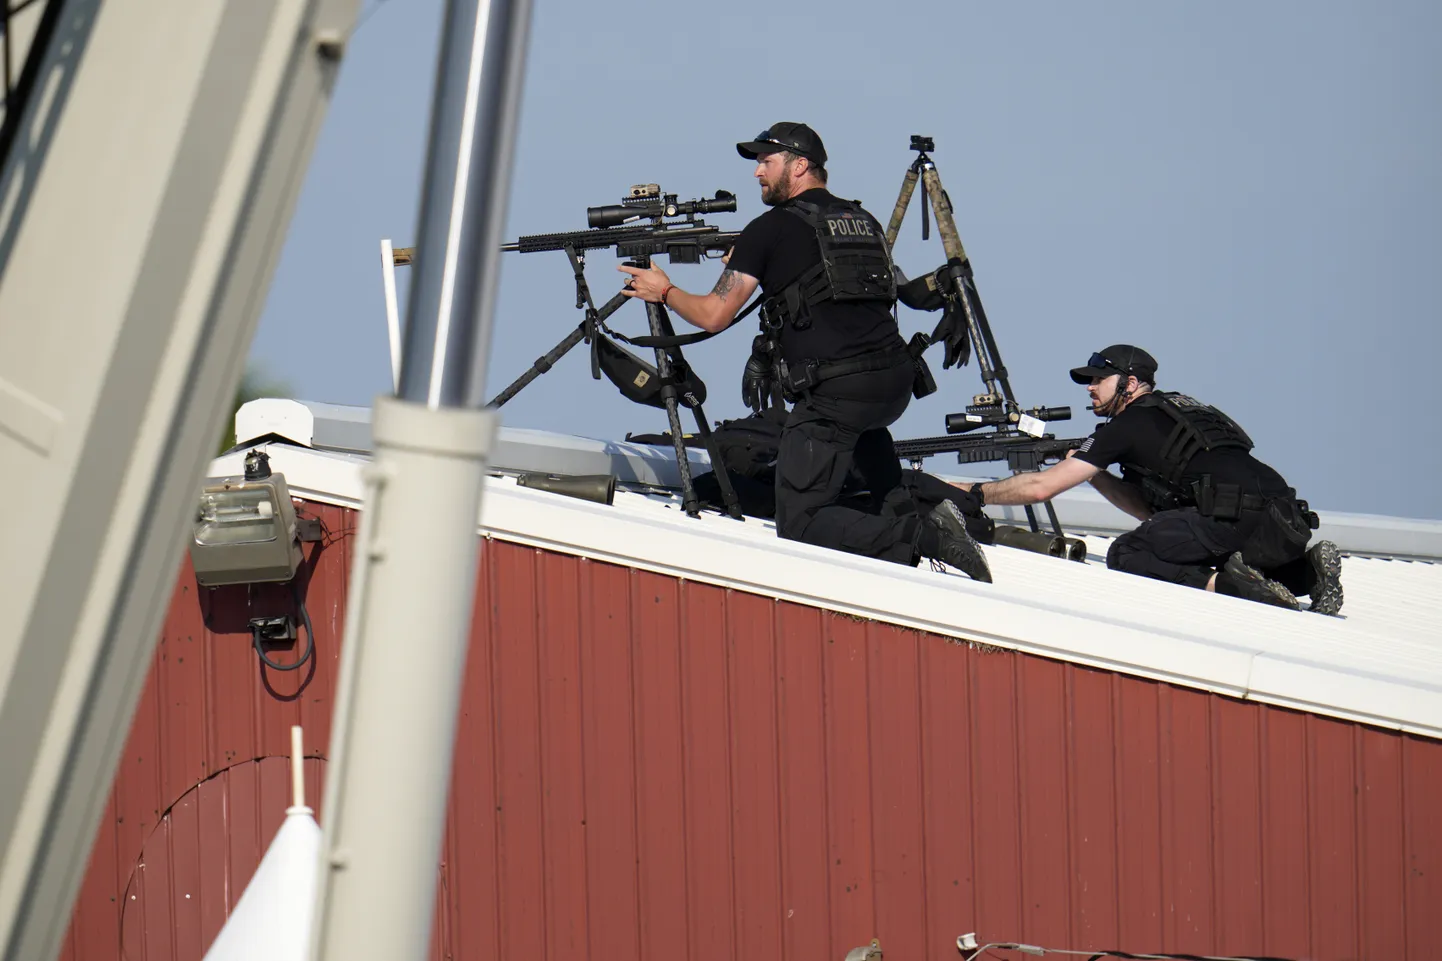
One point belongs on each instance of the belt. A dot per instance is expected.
(1226, 501)
(806, 375)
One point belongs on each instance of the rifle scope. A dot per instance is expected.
(653, 206)
(987, 416)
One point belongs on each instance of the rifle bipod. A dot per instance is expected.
(998, 405)
(591, 330)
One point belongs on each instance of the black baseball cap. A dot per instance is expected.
(795, 137)
(1118, 359)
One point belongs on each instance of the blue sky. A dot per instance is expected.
(1249, 191)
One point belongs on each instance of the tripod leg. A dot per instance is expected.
(545, 363)
(956, 255)
(541, 365)
(907, 186)
(656, 315)
(997, 367)
(1055, 521)
(1031, 518)
(728, 493)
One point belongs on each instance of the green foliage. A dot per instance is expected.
(254, 384)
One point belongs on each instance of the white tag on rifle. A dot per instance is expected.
(1030, 425)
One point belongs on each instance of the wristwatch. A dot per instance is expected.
(979, 491)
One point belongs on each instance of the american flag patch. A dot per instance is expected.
(1086, 445)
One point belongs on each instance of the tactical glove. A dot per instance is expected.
(757, 380)
(952, 332)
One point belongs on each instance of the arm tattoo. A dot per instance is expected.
(724, 284)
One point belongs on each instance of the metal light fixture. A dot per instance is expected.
(245, 529)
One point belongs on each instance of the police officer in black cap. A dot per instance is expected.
(829, 337)
(1213, 516)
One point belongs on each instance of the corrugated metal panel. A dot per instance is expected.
(652, 768)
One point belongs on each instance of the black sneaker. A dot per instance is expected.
(1326, 592)
(957, 547)
(1239, 579)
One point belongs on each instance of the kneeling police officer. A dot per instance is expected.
(1213, 516)
(825, 272)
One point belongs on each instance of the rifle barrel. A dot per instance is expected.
(670, 235)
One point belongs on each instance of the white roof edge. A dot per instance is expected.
(1195, 641)
(336, 427)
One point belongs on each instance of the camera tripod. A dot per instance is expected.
(998, 405)
(669, 362)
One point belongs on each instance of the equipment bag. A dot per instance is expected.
(640, 382)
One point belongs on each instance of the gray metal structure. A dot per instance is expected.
(347, 430)
(148, 181)
(413, 582)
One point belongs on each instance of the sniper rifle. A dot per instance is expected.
(1020, 451)
(1018, 438)
(619, 225)
(642, 226)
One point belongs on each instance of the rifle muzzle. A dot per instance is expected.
(1042, 542)
(598, 488)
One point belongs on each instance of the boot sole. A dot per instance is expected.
(1326, 561)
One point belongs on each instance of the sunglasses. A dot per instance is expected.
(765, 137)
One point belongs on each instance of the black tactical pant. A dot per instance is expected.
(1187, 547)
(753, 478)
(840, 424)
(919, 493)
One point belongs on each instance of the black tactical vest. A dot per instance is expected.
(1197, 427)
(855, 264)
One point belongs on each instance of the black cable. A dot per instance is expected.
(1095, 954)
(309, 638)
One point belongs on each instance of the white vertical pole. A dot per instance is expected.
(413, 581)
(297, 767)
(393, 314)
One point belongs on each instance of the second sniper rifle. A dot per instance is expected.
(1018, 450)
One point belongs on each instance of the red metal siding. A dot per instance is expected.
(655, 769)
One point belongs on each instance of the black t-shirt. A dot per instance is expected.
(776, 248)
(1137, 434)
